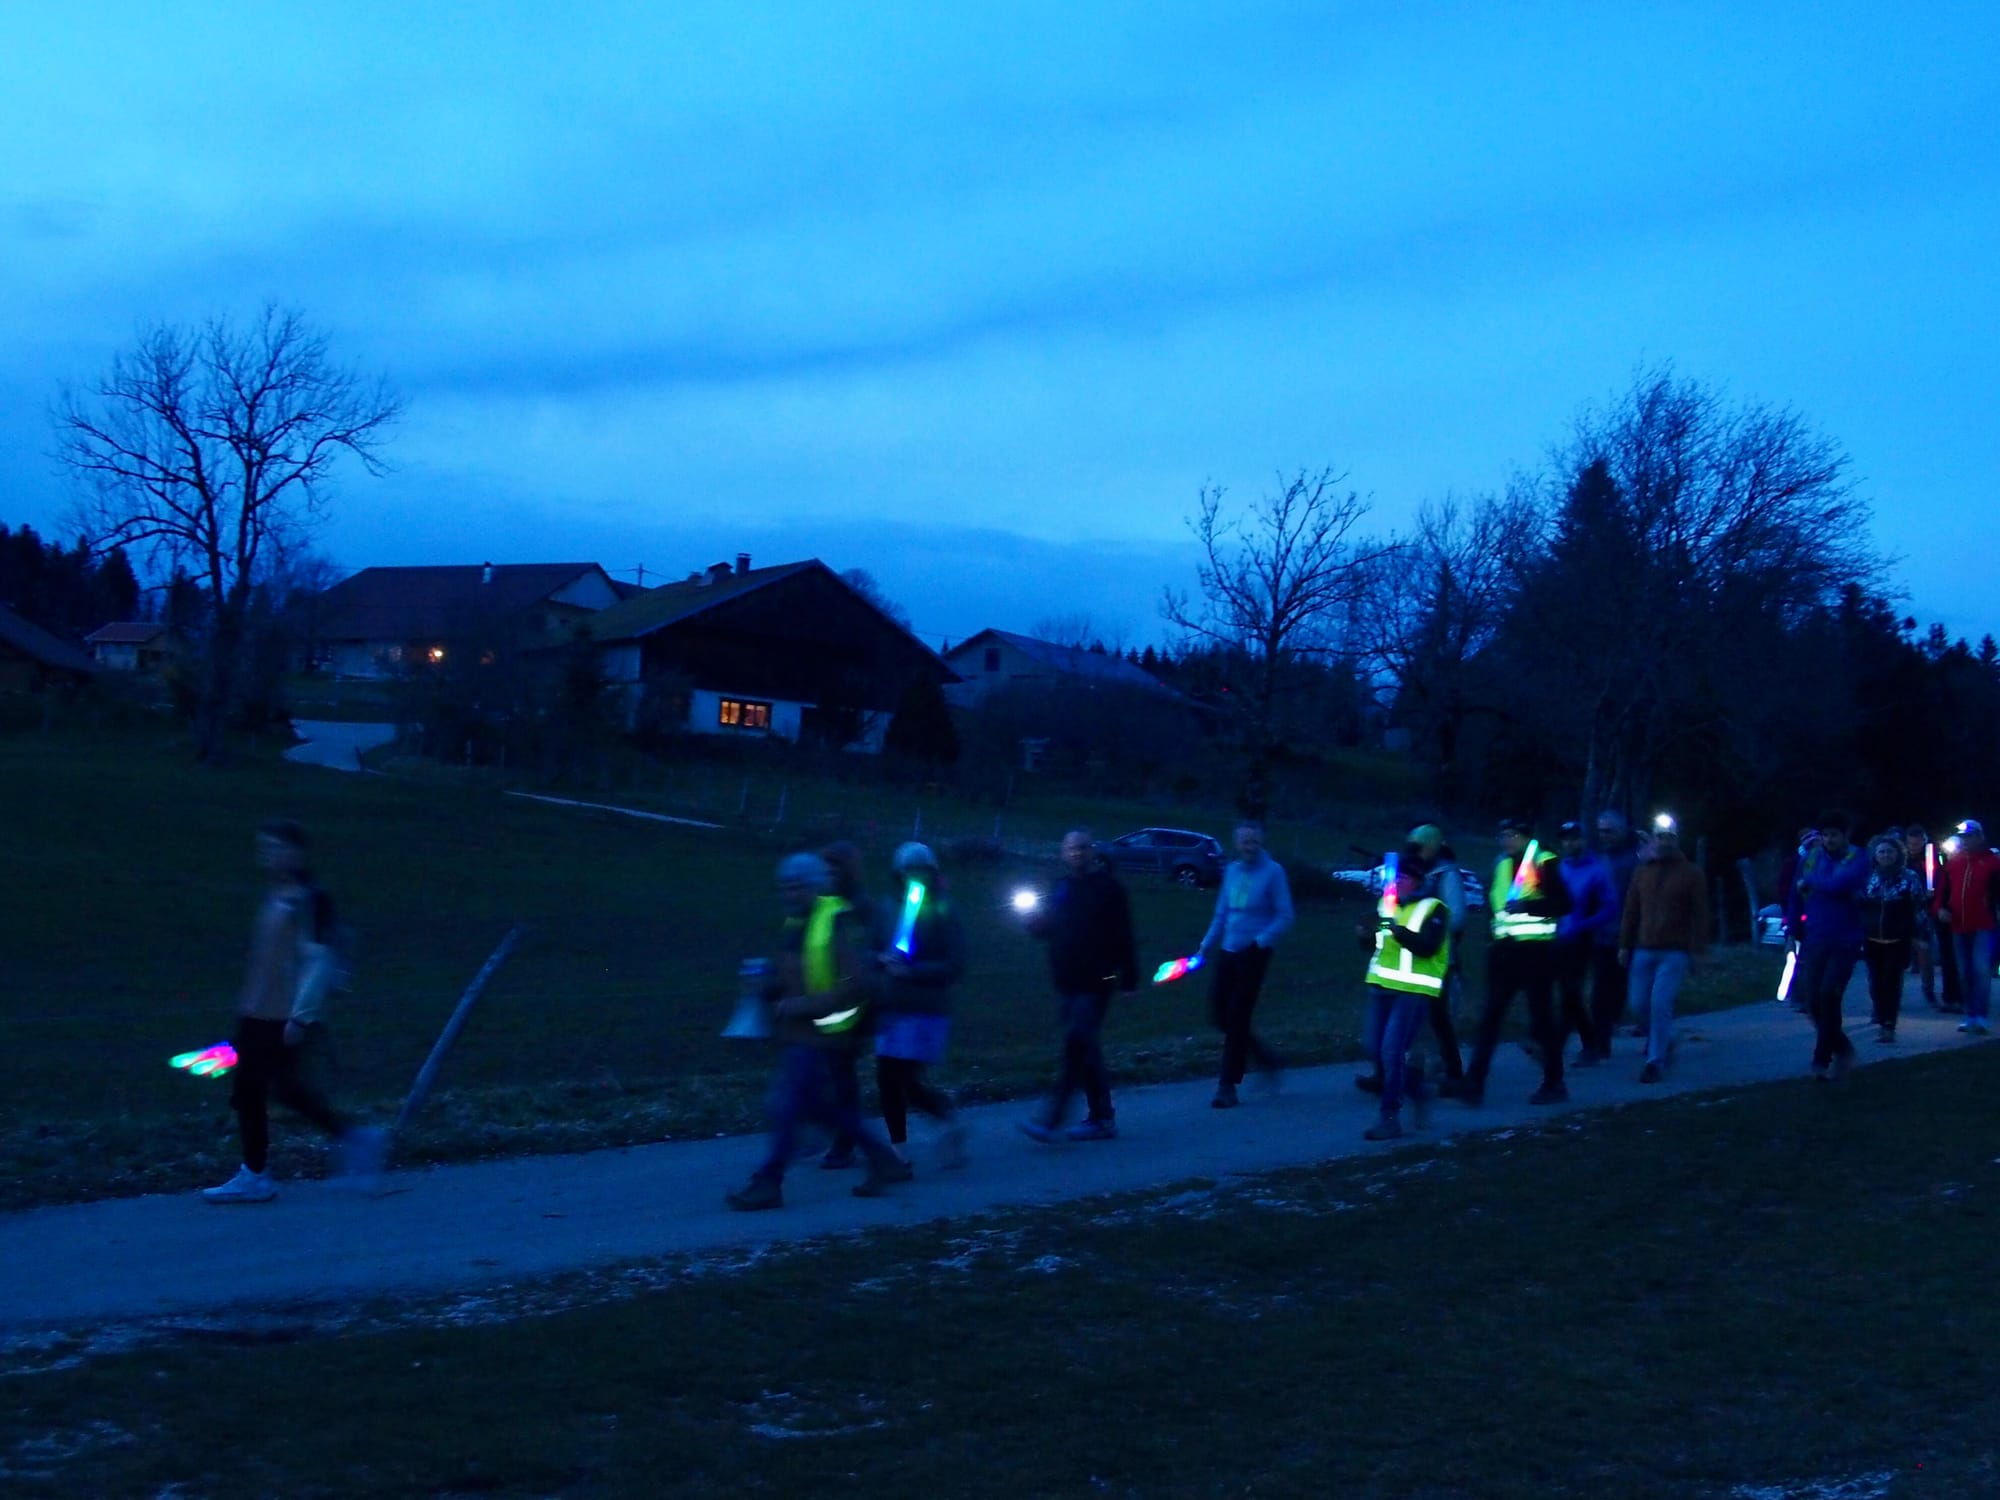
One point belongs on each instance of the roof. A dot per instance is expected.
(656, 609)
(37, 644)
(404, 604)
(1071, 661)
(128, 633)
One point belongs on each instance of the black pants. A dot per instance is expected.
(1887, 964)
(267, 1068)
(1442, 1026)
(902, 1086)
(1947, 962)
(1083, 1057)
(1239, 979)
(1607, 995)
(1824, 970)
(1515, 968)
(1573, 969)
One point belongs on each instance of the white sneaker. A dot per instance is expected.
(364, 1152)
(245, 1187)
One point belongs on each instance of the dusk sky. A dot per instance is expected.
(977, 297)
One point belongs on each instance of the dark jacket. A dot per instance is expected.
(1667, 906)
(1087, 923)
(792, 1020)
(1892, 904)
(1830, 896)
(922, 984)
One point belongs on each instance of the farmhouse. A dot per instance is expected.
(134, 646)
(787, 652)
(32, 659)
(995, 659)
(385, 621)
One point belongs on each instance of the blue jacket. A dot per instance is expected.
(1593, 913)
(1832, 896)
(1253, 906)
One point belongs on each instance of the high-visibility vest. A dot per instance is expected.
(1518, 926)
(817, 964)
(1395, 967)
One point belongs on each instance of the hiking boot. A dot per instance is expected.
(1550, 1093)
(760, 1192)
(1035, 1130)
(1650, 1073)
(1388, 1128)
(954, 1149)
(882, 1175)
(1225, 1097)
(1093, 1130)
(839, 1160)
(245, 1187)
(1886, 1037)
(1369, 1083)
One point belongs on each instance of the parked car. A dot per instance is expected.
(1374, 878)
(1184, 857)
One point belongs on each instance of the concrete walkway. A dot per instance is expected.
(337, 746)
(461, 1226)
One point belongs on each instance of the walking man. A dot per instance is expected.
(1831, 877)
(1586, 944)
(279, 1025)
(820, 995)
(1406, 971)
(1662, 932)
(1087, 923)
(1252, 911)
(1529, 899)
(1967, 899)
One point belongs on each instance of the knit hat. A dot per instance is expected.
(912, 857)
(804, 869)
(1427, 836)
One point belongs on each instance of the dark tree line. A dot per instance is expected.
(69, 591)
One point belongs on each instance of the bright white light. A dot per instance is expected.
(1952, 845)
(1026, 900)
(1665, 823)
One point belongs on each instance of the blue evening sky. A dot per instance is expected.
(976, 297)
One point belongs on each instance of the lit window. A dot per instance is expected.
(741, 713)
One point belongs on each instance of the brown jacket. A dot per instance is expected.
(1666, 906)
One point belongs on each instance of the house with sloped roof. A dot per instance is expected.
(32, 658)
(787, 652)
(995, 659)
(148, 646)
(386, 621)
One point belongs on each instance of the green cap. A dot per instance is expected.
(1427, 836)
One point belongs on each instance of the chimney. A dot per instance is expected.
(742, 563)
(716, 572)
(486, 573)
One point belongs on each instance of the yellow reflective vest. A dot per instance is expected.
(1394, 967)
(817, 964)
(1519, 926)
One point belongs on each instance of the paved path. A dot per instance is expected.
(461, 1226)
(337, 746)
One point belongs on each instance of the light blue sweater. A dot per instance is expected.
(1253, 906)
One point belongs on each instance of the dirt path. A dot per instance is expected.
(462, 1226)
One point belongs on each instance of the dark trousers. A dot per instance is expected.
(1083, 1057)
(817, 1087)
(1239, 979)
(265, 1069)
(1515, 968)
(1574, 964)
(1824, 970)
(1888, 962)
(1607, 995)
(1947, 962)
(902, 1086)
(1442, 1026)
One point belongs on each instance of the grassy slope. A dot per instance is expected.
(1766, 1289)
(130, 891)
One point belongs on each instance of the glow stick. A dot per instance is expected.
(913, 902)
(1176, 968)
(1387, 907)
(1785, 981)
(1527, 875)
(1026, 901)
(1930, 866)
(208, 1062)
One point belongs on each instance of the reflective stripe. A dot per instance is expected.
(1518, 926)
(1405, 971)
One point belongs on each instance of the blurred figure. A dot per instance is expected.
(1253, 910)
(1087, 923)
(1831, 878)
(1968, 909)
(1662, 933)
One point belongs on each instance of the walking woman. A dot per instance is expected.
(914, 1012)
(1892, 905)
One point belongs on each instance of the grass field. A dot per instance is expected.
(130, 892)
(1774, 1294)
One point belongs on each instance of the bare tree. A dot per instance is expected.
(1074, 628)
(864, 583)
(214, 448)
(1276, 583)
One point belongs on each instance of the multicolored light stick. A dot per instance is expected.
(1176, 968)
(913, 903)
(209, 1062)
(1387, 906)
(1528, 875)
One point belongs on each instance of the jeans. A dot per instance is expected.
(1239, 980)
(815, 1086)
(1654, 982)
(1974, 952)
(1394, 1020)
(1824, 970)
(1083, 1057)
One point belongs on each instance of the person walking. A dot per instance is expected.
(819, 994)
(1892, 909)
(1832, 875)
(1087, 923)
(1920, 857)
(1587, 944)
(1968, 908)
(1428, 858)
(1252, 911)
(849, 883)
(1528, 899)
(915, 1006)
(1662, 932)
(1411, 954)
(280, 1025)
